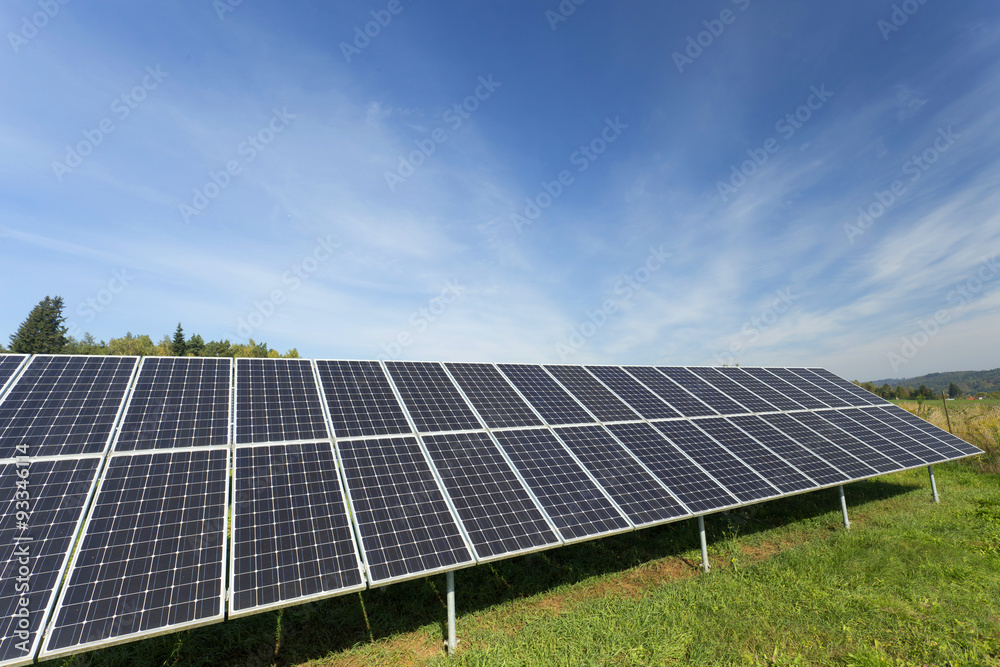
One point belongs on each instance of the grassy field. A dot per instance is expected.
(912, 583)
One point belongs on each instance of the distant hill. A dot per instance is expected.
(968, 381)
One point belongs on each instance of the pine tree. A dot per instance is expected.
(43, 332)
(180, 347)
(195, 346)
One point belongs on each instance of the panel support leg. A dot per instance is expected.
(930, 471)
(704, 544)
(452, 641)
(843, 507)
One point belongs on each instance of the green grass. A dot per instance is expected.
(913, 583)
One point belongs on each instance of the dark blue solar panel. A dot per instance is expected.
(805, 386)
(864, 397)
(54, 494)
(961, 447)
(292, 539)
(576, 505)
(150, 558)
(636, 491)
(800, 396)
(493, 397)
(360, 399)
(633, 392)
(803, 459)
(178, 402)
(733, 474)
(733, 390)
(597, 398)
(769, 466)
(884, 446)
(908, 441)
(848, 443)
(696, 489)
(499, 516)
(706, 392)
(9, 363)
(820, 446)
(759, 388)
(277, 400)
(545, 395)
(406, 527)
(671, 392)
(64, 405)
(835, 388)
(431, 398)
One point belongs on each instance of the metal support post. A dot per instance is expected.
(843, 508)
(930, 470)
(704, 544)
(452, 641)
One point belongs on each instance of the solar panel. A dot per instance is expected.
(177, 402)
(643, 499)
(864, 397)
(915, 446)
(759, 388)
(830, 453)
(498, 515)
(848, 443)
(360, 399)
(277, 400)
(597, 398)
(961, 446)
(545, 395)
(292, 539)
(778, 472)
(151, 557)
(433, 401)
(688, 481)
(9, 365)
(803, 459)
(734, 475)
(885, 446)
(405, 525)
(53, 494)
(837, 389)
(496, 401)
(64, 405)
(768, 377)
(575, 503)
(706, 392)
(676, 396)
(733, 390)
(642, 400)
(940, 448)
(827, 399)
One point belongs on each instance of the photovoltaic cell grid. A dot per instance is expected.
(884, 446)
(836, 389)
(959, 445)
(545, 395)
(595, 396)
(569, 496)
(360, 399)
(177, 402)
(793, 452)
(64, 405)
(676, 396)
(9, 363)
(733, 390)
(404, 522)
(808, 388)
(496, 511)
(496, 401)
(277, 400)
(644, 500)
(757, 387)
(784, 387)
(54, 494)
(904, 424)
(151, 556)
(912, 444)
(633, 392)
(292, 539)
(706, 392)
(846, 442)
(433, 401)
(679, 473)
(864, 397)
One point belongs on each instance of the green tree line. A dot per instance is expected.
(921, 393)
(44, 332)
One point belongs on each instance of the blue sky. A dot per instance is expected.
(654, 183)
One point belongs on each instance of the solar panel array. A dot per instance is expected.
(337, 475)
